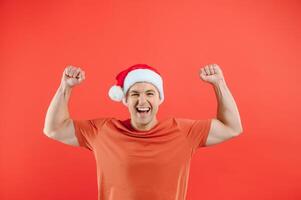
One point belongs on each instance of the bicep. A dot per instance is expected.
(66, 133)
(218, 133)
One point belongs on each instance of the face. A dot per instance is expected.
(143, 103)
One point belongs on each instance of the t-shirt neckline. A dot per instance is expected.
(126, 124)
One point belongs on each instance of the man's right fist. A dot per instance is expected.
(72, 76)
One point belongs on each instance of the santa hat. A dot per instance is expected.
(130, 76)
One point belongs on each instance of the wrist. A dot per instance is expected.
(65, 88)
(219, 82)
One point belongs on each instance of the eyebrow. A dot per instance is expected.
(135, 91)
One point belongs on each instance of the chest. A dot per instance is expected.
(126, 154)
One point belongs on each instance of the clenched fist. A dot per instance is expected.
(211, 73)
(72, 76)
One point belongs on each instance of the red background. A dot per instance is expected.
(256, 43)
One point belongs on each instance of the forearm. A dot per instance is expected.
(227, 111)
(57, 111)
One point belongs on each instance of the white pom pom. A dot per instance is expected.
(116, 93)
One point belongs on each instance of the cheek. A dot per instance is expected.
(155, 106)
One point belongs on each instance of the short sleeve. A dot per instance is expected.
(196, 131)
(86, 131)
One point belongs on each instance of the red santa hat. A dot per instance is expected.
(130, 76)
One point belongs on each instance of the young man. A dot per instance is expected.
(142, 158)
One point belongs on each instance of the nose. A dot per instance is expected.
(142, 99)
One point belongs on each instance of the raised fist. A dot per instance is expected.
(72, 76)
(211, 73)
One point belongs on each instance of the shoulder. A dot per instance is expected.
(96, 122)
(188, 123)
(105, 120)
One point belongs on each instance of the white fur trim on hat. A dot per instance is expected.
(144, 75)
(116, 93)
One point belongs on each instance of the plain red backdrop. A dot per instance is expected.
(256, 43)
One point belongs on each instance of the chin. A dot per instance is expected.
(143, 121)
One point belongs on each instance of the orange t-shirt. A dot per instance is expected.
(142, 165)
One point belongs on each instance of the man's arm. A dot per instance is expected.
(58, 124)
(228, 123)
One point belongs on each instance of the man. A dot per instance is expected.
(142, 158)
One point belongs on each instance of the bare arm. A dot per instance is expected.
(58, 124)
(57, 112)
(228, 123)
(227, 111)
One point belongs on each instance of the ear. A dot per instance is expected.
(124, 101)
(161, 101)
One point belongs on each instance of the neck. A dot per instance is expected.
(144, 127)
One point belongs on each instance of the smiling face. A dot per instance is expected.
(143, 103)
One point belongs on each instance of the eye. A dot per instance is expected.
(150, 94)
(134, 94)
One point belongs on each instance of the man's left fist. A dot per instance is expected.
(211, 73)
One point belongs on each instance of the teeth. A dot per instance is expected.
(143, 109)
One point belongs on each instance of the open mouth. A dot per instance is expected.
(143, 110)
